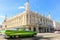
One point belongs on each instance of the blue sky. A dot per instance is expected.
(11, 8)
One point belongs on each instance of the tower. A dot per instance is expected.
(5, 21)
(27, 5)
(49, 16)
(5, 18)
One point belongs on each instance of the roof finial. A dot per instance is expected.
(27, 5)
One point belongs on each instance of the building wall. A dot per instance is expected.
(29, 20)
(16, 21)
(35, 18)
(39, 22)
(56, 25)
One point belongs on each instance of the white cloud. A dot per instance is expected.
(21, 7)
(2, 17)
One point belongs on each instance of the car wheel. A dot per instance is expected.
(16, 36)
(33, 35)
(7, 37)
(11, 36)
(19, 36)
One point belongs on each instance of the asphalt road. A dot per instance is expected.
(28, 38)
(38, 37)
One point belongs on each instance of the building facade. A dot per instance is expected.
(31, 20)
(56, 25)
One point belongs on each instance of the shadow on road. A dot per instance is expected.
(32, 38)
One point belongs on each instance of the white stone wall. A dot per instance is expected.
(56, 24)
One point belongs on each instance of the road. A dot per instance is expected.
(40, 36)
(30, 38)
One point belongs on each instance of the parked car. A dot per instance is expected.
(19, 33)
(57, 32)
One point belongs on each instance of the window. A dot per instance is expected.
(41, 19)
(27, 29)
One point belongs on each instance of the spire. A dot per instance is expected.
(5, 18)
(27, 5)
(49, 16)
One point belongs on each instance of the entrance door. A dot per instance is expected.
(34, 29)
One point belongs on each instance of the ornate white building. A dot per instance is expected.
(31, 20)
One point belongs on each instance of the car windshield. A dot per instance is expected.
(20, 29)
(13, 29)
(27, 29)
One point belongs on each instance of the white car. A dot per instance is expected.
(57, 32)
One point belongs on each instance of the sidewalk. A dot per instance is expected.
(52, 36)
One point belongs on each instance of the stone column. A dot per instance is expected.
(37, 29)
(32, 29)
(43, 29)
(46, 29)
(49, 29)
(42, 20)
